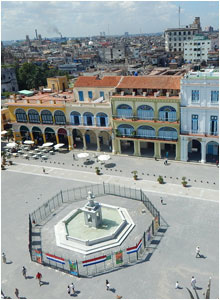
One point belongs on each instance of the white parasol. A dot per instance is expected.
(11, 145)
(104, 157)
(47, 144)
(27, 142)
(57, 146)
(82, 155)
(3, 132)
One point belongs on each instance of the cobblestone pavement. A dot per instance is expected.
(192, 215)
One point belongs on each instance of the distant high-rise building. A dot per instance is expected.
(126, 34)
(175, 37)
(209, 28)
(28, 40)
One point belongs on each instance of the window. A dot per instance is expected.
(214, 96)
(174, 33)
(174, 39)
(90, 94)
(195, 123)
(179, 44)
(21, 115)
(81, 97)
(195, 96)
(179, 32)
(184, 33)
(102, 94)
(213, 125)
(174, 44)
(59, 117)
(33, 116)
(180, 39)
(46, 117)
(180, 49)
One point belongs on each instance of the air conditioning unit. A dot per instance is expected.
(155, 95)
(122, 93)
(133, 93)
(144, 94)
(167, 94)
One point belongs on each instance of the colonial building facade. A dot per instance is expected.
(146, 116)
(199, 116)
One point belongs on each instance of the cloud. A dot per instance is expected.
(78, 18)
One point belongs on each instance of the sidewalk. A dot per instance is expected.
(146, 185)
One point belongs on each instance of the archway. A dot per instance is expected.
(124, 111)
(194, 150)
(33, 116)
(168, 150)
(37, 135)
(59, 117)
(127, 147)
(91, 142)
(147, 149)
(168, 133)
(25, 133)
(145, 112)
(167, 113)
(21, 115)
(105, 141)
(102, 119)
(212, 152)
(75, 118)
(62, 136)
(50, 135)
(46, 117)
(77, 139)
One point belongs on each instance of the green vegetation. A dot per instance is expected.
(31, 76)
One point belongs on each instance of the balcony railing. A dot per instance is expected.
(136, 136)
(136, 118)
(197, 132)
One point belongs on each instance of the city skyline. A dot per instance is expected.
(89, 18)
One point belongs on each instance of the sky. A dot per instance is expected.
(89, 18)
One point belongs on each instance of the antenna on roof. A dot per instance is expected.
(179, 16)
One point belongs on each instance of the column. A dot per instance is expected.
(31, 135)
(119, 145)
(113, 143)
(203, 149)
(70, 141)
(44, 138)
(94, 121)
(157, 153)
(136, 148)
(84, 141)
(98, 142)
(155, 111)
(184, 149)
(177, 151)
(57, 138)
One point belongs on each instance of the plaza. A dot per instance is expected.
(190, 215)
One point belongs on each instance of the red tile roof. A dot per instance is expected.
(92, 81)
(151, 82)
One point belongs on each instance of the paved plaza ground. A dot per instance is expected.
(192, 215)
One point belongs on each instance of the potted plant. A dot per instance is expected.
(97, 170)
(184, 182)
(3, 167)
(10, 162)
(160, 179)
(135, 176)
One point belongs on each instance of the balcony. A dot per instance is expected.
(200, 133)
(134, 135)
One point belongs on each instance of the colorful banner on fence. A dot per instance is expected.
(73, 268)
(135, 248)
(94, 261)
(119, 257)
(38, 256)
(55, 258)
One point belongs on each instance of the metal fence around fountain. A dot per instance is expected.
(110, 259)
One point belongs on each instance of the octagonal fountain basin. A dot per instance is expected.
(72, 232)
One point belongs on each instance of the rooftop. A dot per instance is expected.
(95, 81)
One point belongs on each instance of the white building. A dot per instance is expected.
(199, 116)
(175, 37)
(196, 50)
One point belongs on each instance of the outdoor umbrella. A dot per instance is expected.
(47, 144)
(82, 155)
(27, 142)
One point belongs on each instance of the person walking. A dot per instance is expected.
(24, 272)
(197, 252)
(68, 290)
(161, 200)
(72, 288)
(3, 258)
(74, 158)
(44, 171)
(193, 282)
(177, 285)
(39, 276)
(107, 284)
(17, 293)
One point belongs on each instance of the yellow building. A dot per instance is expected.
(5, 118)
(41, 118)
(57, 83)
(146, 116)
